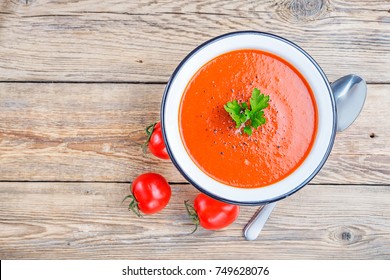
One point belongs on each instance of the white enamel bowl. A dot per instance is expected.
(303, 63)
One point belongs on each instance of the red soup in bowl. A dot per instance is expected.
(214, 153)
(275, 149)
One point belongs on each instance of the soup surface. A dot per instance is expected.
(275, 149)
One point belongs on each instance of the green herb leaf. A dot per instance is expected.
(247, 117)
(257, 119)
(234, 109)
(248, 130)
(258, 101)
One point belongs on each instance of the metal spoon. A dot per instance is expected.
(350, 93)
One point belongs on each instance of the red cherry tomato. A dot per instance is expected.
(155, 141)
(211, 213)
(150, 194)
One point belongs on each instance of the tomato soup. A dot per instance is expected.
(275, 149)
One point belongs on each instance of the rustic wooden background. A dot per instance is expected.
(79, 81)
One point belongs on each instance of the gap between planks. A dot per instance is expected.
(88, 82)
(180, 183)
(123, 82)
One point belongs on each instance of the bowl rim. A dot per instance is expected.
(255, 202)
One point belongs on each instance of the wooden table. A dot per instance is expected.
(80, 80)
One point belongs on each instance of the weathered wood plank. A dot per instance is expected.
(78, 221)
(145, 40)
(94, 132)
(242, 8)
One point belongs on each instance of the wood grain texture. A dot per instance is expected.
(80, 139)
(144, 41)
(94, 132)
(77, 221)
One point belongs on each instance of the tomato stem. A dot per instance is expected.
(192, 214)
(133, 206)
(149, 131)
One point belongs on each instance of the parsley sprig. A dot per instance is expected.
(249, 116)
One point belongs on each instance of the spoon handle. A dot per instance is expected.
(256, 224)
